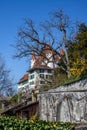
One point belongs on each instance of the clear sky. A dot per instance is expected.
(12, 14)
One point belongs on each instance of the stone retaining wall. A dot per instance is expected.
(65, 103)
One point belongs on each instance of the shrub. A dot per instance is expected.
(14, 123)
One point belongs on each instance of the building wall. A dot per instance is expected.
(23, 87)
(65, 103)
(35, 78)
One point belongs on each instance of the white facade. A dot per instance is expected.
(41, 70)
(23, 87)
(38, 77)
(23, 84)
(50, 59)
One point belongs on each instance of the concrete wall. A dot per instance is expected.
(65, 103)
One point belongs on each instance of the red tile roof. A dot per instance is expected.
(40, 59)
(24, 78)
(40, 67)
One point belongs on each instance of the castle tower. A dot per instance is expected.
(33, 59)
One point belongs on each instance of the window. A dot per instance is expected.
(32, 76)
(24, 82)
(42, 82)
(49, 71)
(41, 75)
(47, 76)
(31, 83)
(41, 70)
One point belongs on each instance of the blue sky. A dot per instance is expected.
(12, 14)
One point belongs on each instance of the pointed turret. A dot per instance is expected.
(33, 59)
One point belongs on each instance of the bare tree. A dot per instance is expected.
(60, 22)
(6, 85)
(34, 39)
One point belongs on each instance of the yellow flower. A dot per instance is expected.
(54, 126)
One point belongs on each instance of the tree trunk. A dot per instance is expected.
(66, 55)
